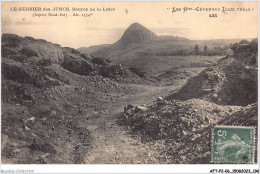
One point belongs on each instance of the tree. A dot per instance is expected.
(206, 50)
(196, 49)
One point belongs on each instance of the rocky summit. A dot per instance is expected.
(136, 34)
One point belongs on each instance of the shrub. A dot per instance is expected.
(99, 61)
(77, 65)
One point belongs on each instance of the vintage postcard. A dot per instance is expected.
(129, 82)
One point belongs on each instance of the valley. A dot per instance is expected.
(143, 103)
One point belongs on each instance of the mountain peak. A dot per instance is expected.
(135, 26)
(135, 34)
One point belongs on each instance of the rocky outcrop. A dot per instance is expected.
(175, 119)
(246, 52)
(231, 81)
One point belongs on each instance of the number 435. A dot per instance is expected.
(213, 15)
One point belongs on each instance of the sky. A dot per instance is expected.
(106, 27)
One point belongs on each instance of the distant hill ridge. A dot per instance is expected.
(139, 46)
(92, 49)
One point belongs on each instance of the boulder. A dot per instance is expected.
(141, 108)
(159, 99)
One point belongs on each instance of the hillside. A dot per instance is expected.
(179, 126)
(232, 81)
(48, 93)
(62, 106)
(134, 35)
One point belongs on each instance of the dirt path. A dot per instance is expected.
(111, 143)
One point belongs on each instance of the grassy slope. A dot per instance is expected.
(156, 54)
(156, 65)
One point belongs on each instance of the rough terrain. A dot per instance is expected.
(61, 106)
(180, 125)
(57, 103)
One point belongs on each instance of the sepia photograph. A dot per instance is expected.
(129, 82)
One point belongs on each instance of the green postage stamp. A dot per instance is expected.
(233, 144)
